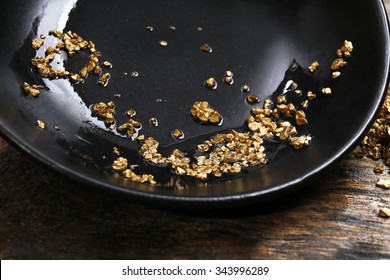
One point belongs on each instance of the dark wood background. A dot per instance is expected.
(45, 216)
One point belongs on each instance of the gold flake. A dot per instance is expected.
(120, 164)
(300, 142)
(202, 111)
(163, 43)
(383, 183)
(41, 124)
(246, 88)
(298, 92)
(338, 64)
(336, 74)
(37, 43)
(206, 48)
(313, 67)
(116, 151)
(105, 111)
(211, 83)
(311, 96)
(178, 134)
(33, 90)
(229, 74)
(281, 99)
(379, 168)
(384, 212)
(252, 99)
(228, 80)
(300, 118)
(107, 64)
(153, 121)
(131, 113)
(327, 91)
(103, 80)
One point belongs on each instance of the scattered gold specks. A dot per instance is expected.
(305, 104)
(134, 74)
(384, 212)
(40, 124)
(42, 36)
(211, 83)
(383, 183)
(149, 28)
(163, 43)
(314, 66)
(33, 90)
(206, 48)
(173, 28)
(117, 95)
(159, 100)
(252, 99)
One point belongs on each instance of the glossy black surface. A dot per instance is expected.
(256, 40)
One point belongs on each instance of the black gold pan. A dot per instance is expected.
(160, 73)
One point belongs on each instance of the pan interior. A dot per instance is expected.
(256, 40)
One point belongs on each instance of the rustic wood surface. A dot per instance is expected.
(45, 216)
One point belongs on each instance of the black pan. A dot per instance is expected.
(256, 40)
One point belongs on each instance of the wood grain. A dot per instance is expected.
(45, 216)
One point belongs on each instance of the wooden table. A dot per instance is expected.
(46, 216)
